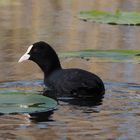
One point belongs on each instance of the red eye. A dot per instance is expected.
(35, 50)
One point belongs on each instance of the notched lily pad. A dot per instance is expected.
(16, 102)
(119, 17)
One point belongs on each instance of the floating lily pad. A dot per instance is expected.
(16, 102)
(119, 17)
(101, 53)
(114, 55)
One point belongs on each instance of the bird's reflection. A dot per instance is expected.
(83, 102)
(89, 102)
(94, 100)
(41, 116)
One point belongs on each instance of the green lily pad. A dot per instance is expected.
(101, 53)
(114, 55)
(119, 17)
(16, 102)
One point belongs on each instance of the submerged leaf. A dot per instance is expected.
(123, 18)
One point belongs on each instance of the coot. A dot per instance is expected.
(61, 82)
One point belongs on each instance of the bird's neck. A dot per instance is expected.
(49, 67)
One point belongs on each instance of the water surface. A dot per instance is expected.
(26, 21)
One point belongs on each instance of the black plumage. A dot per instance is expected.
(64, 82)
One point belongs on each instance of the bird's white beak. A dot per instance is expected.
(26, 56)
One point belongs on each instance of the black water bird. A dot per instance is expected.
(61, 82)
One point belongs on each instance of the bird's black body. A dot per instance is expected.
(64, 82)
(74, 83)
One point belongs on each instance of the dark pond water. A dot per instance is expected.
(23, 22)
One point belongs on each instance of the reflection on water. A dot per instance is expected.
(41, 117)
(117, 117)
(26, 21)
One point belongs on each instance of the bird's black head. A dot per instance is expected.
(44, 55)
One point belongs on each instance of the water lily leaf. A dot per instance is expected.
(119, 17)
(17, 102)
(101, 53)
(114, 55)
